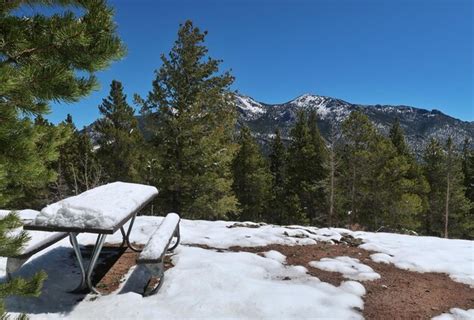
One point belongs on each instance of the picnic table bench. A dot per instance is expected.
(102, 211)
(152, 256)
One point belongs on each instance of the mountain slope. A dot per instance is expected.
(419, 124)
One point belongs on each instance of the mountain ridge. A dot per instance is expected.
(419, 124)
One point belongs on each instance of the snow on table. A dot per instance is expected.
(100, 208)
(350, 268)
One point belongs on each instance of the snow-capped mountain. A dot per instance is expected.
(419, 124)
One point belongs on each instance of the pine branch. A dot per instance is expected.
(11, 244)
(23, 287)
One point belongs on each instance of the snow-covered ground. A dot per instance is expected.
(223, 284)
(351, 268)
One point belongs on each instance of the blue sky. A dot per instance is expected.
(411, 52)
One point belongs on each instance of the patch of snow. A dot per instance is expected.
(217, 234)
(381, 258)
(353, 287)
(456, 314)
(424, 254)
(250, 105)
(101, 208)
(350, 268)
(319, 103)
(275, 255)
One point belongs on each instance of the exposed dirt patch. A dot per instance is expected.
(398, 294)
(114, 264)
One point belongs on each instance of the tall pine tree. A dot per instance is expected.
(356, 155)
(119, 139)
(318, 170)
(407, 184)
(447, 200)
(252, 179)
(332, 180)
(43, 58)
(278, 155)
(468, 172)
(285, 206)
(192, 115)
(306, 166)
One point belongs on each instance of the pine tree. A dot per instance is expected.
(456, 203)
(331, 183)
(278, 157)
(252, 179)
(357, 155)
(407, 184)
(51, 139)
(468, 172)
(78, 167)
(448, 204)
(318, 169)
(285, 206)
(306, 170)
(433, 159)
(397, 136)
(44, 58)
(192, 115)
(119, 139)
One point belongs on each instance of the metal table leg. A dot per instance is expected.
(86, 274)
(126, 236)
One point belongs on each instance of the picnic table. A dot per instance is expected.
(103, 211)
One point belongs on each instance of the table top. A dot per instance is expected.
(102, 210)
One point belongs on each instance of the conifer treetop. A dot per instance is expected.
(44, 58)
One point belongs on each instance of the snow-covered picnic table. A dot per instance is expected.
(102, 210)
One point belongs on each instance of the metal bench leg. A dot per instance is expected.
(127, 236)
(177, 234)
(95, 255)
(124, 237)
(86, 274)
(80, 260)
(157, 270)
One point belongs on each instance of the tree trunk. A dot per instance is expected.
(331, 191)
(353, 191)
(446, 214)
